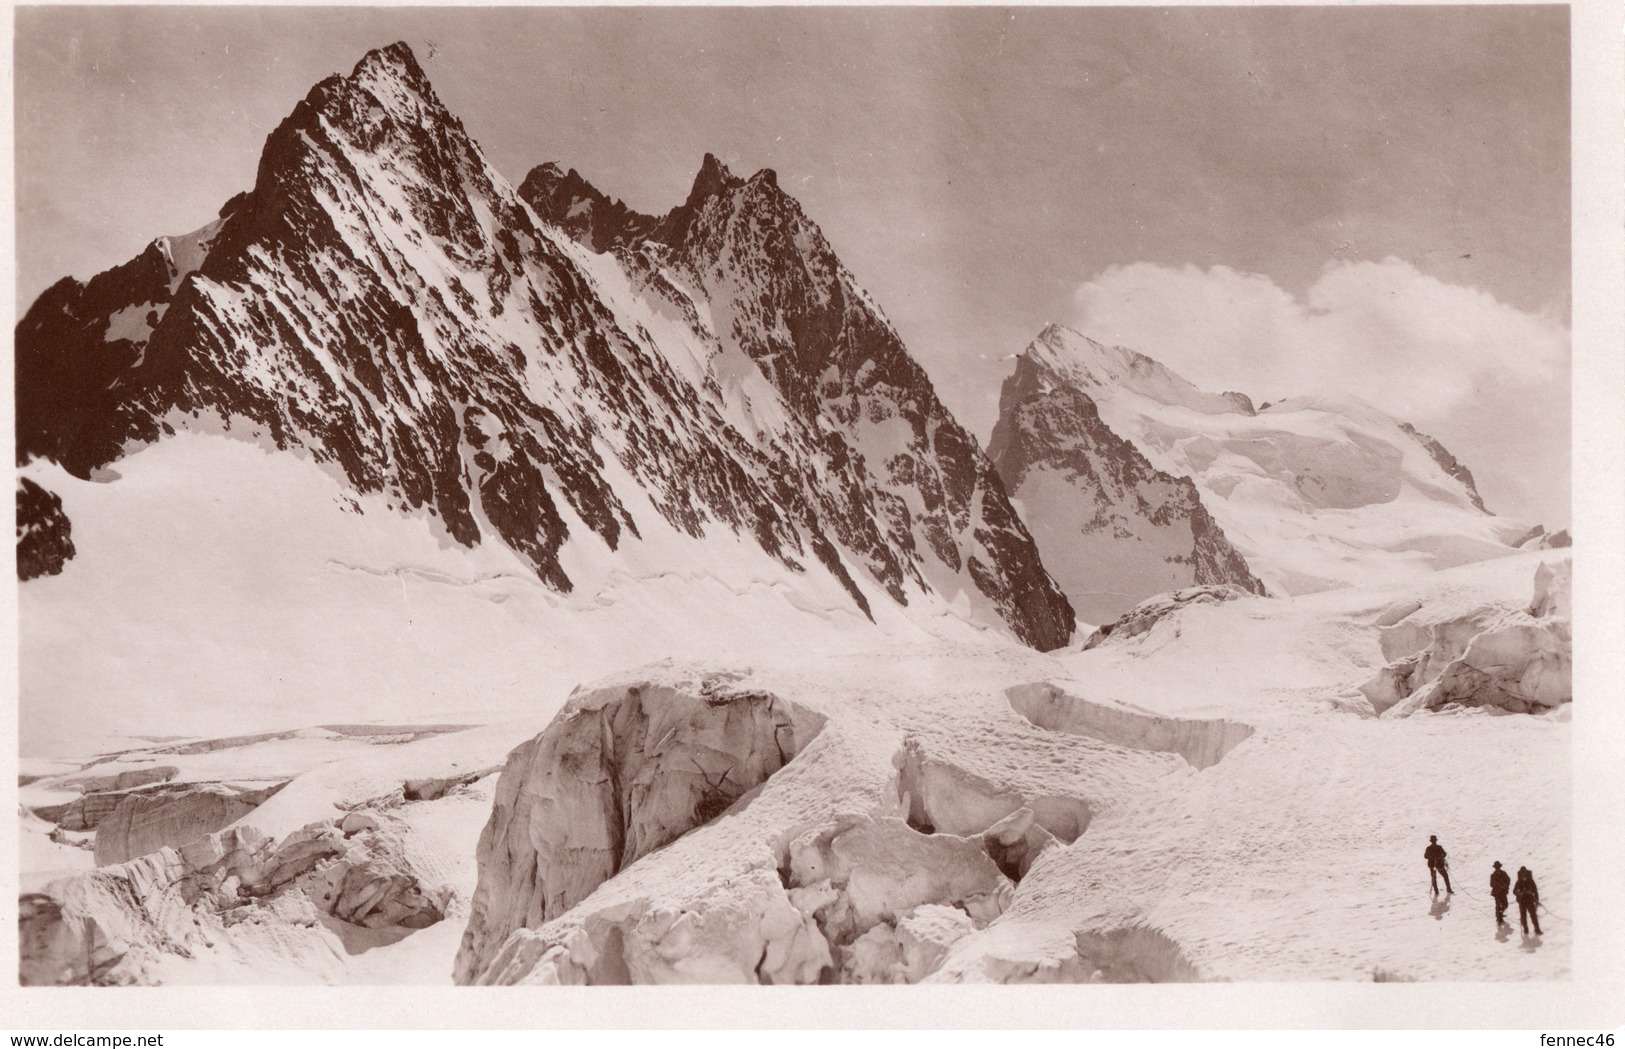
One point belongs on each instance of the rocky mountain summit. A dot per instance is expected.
(756, 279)
(384, 302)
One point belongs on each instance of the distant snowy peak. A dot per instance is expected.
(1112, 528)
(1312, 491)
(385, 302)
(1081, 362)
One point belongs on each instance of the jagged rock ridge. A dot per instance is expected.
(383, 300)
(912, 485)
(1448, 463)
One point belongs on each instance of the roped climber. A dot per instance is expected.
(1434, 854)
(1500, 882)
(1528, 897)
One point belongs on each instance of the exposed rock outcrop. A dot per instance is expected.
(1448, 463)
(1537, 538)
(1143, 617)
(575, 205)
(744, 248)
(383, 301)
(1307, 494)
(44, 533)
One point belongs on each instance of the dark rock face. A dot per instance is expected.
(1447, 462)
(1537, 538)
(383, 300)
(1113, 528)
(44, 533)
(572, 203)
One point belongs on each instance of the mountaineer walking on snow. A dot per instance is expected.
(1499, 884)
(1528, 900)
(1434, 854)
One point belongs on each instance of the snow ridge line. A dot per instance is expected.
(619, 576)
(433, 576)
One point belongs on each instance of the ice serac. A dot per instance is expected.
(384, 302)
(1517, 661)
(1112, 528)
(898, 483)
(118, 924)
(620, 773)
(1306, 494)
(148, 820)
(1203, 742)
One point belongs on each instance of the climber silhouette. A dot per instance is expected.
(1434, 854)
(1528, 897)
(1499, 884)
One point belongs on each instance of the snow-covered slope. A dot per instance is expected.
(1210, 797)
(385, 301)
(1312, 492)
(241, 589)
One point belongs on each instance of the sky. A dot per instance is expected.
(1369, 200)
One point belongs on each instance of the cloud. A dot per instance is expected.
(1489, 380)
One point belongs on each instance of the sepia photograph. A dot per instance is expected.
(560, 497)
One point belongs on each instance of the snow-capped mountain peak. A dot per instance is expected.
(1312, 491)
(1080, 361)
(1113, 527)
